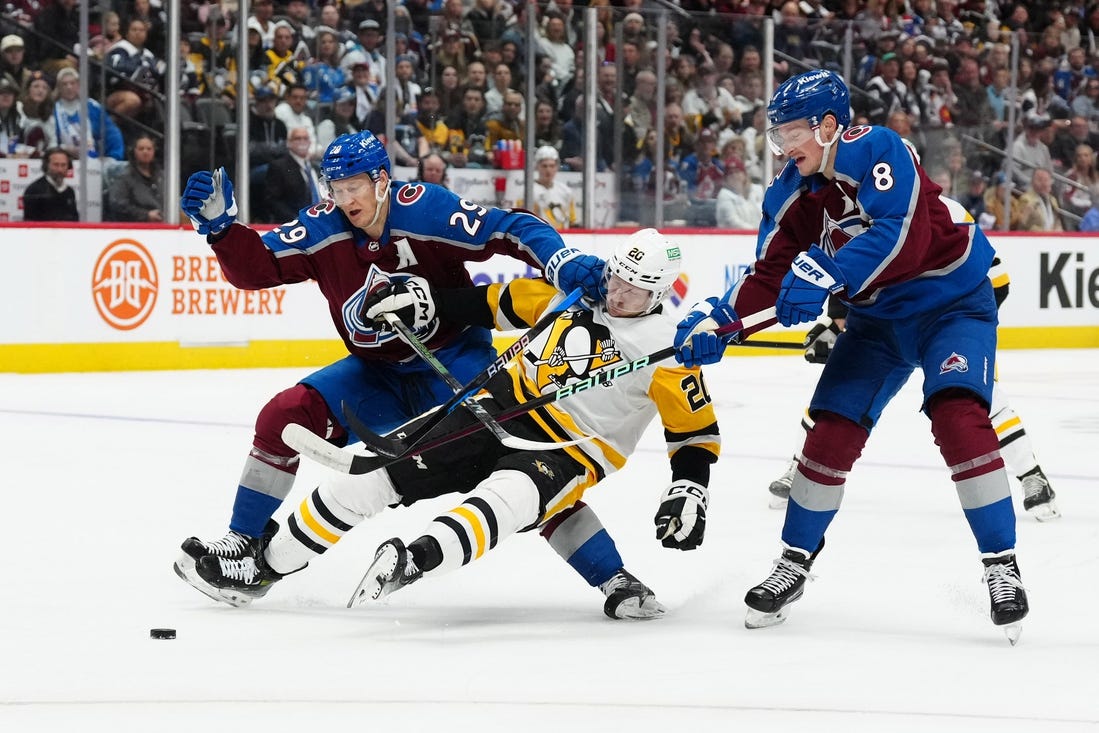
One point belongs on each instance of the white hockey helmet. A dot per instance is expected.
(648, 260)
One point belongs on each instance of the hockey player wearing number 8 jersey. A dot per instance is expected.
(368, 233)
(853, 213)
(511, 490)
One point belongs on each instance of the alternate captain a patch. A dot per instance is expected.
(954, 363)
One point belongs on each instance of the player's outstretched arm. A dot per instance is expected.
(208, 201)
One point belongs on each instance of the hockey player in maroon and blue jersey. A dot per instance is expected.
(853, 213)
(373, 234)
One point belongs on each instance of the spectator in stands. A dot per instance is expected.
(50, 198)
(281, 68)
(214, 58)
(1068, 138)
(449, 91)
(368, 49)
(994, 218)
(487, 20)
(38, 111)
(266, 133)
(297, 16)
(12, 66)
(1040, 98)
(468, 136)
(294, 112)
(112, 28)
(974, 197)
(407, 91)
(137, 192)
(340, 119)
(1086, 104)
(58, 31)
(900, 123)
(739, 202)
(261, 21)
(292, 182)
(751, 63)
(11, 122)
(553, 43)
(706, 104)
(642, 108)
(137, 77)
(366, 90)
(552, 200)
(1039, 210)
(547, 126)
(432, 169)
(1085, 177)
(972, 108)
(573, 139)
(678, 138)
(507, 124)
(450, 52)
(430, 122)
(887, 93)
(501, 85)
(702, 170)
(156, 21)
(325, 76)
(64, 131)
(1030, 150)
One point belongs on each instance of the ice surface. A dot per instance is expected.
(107, 473)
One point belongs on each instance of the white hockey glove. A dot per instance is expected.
(208, 201)
(409, 299)
(681, 517)
(820, 340)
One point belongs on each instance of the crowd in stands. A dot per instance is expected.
(936, 71)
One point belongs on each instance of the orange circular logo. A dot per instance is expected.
(124, 284)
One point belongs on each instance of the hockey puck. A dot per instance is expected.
(162, 633)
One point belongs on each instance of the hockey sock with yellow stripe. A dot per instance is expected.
(500, 506)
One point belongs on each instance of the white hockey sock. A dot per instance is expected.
(323, 517)
(500, 506)
(1015, 445)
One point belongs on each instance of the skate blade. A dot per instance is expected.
(185, 569)
(635, 609)
(1013, 632)
(374, 582)
(761, 620)
(1045, 512)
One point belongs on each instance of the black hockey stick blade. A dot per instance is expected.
(383, 445)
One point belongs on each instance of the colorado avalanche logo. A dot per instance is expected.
(840, 227)
(574, 349)
(362, 334)
(954, 363)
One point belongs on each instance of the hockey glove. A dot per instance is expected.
(812, 276)
(208, 201)
(695, 341)
(681, 518)
(409, 299)
(820, 340)
(569, 269)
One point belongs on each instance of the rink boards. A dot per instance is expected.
(97, 298)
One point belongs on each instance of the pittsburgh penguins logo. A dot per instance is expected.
(574, 348)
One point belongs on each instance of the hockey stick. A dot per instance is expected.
(477, 409)
(397, 447)
(760, 344)
(317, 448)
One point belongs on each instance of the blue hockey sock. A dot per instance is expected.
(251, 510)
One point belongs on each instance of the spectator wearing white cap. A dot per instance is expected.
(12, 51)
(552, 200)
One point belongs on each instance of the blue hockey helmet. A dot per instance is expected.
(355, 153)
(810, 96)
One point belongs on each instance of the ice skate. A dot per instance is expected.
(1038, 496)
(238, 581)
(233, 546)
(393, 568)
(780, 487)
(1006, 592)
(767, 601)
(629, 598)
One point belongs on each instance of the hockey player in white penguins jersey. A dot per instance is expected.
(508, 490)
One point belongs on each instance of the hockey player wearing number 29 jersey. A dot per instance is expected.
(852, 213)
(369, 234)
